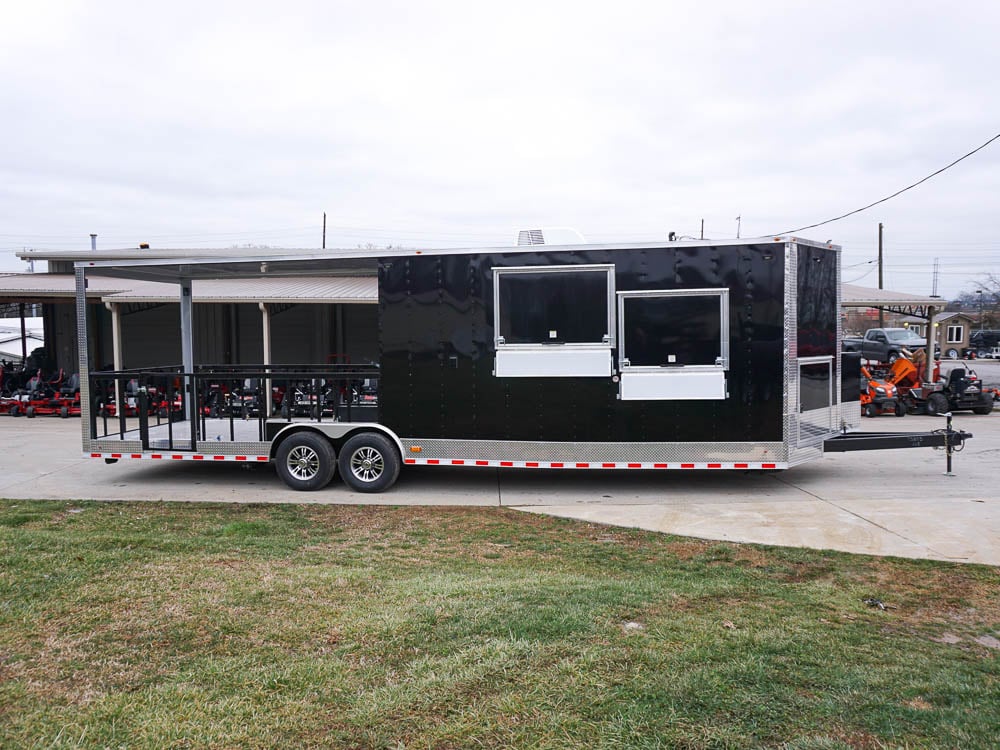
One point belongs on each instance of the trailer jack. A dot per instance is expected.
(951, 440)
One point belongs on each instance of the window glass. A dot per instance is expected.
(814, 386)
(564, 307)
(672, 330)
(954, 334)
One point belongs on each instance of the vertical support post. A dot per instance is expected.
(88, 419)
(266, 329)
(187, 359)
(116, 343)
(931, 339)
(881, 311)
(24, 337)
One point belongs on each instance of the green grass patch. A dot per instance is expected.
(173, 625)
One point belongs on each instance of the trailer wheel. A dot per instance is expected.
(30, 412)
(15, 411)
(369, 463)
(900, 409)
(985, 405)
(937, 404)
(64, 412)
(952, 354)
(306, 461)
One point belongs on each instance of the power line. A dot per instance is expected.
(898, 192)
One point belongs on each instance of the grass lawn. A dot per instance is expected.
(177, 626)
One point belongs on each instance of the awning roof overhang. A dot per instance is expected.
(318, 290)
(890, 301)
(327, 290)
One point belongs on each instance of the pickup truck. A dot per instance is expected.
(884, 344)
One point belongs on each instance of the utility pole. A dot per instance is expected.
(881, 310)
(324, 230)
(702, 229)
(739, 219)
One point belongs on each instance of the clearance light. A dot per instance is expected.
(415, 449)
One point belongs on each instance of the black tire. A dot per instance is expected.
(952, 354)
(369, 462)
(306, 461)
(64, 412)
(870, 410)
(15, 411)
(982, 354)
(900, 409)
(893, 356)
(937, 404)
(985, 405)
(30, 412)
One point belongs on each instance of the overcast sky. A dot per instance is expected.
(215, 124)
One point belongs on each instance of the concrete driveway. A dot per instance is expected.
(896, 502)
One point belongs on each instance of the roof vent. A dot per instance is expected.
(530, 237)
(550, 236)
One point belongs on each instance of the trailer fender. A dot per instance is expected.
(336, 432)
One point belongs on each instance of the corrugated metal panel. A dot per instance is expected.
(323, 290)
(59, 285)
(859, 296)
(299, 290)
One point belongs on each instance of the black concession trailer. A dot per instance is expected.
(660, 356)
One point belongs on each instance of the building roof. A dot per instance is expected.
(46, 286)
(942, 317)
(898, 302)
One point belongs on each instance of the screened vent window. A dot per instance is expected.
(552, 321)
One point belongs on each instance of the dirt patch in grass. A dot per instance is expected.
(918, 704)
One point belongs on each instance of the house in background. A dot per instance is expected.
(952, 330)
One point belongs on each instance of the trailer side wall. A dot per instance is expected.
(437, 337)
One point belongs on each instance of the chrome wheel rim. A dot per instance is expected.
(302, 462)
(367, 464)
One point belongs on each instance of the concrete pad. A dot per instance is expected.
(810, 523)
(896, 502)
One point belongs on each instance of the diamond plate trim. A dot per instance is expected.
(504, 450)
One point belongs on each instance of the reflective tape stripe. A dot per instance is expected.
(467, 462)
(177, 457)
(585, 464)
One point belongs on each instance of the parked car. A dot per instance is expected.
(885, 344)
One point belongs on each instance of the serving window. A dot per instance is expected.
(673, 344)
(553, 321)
